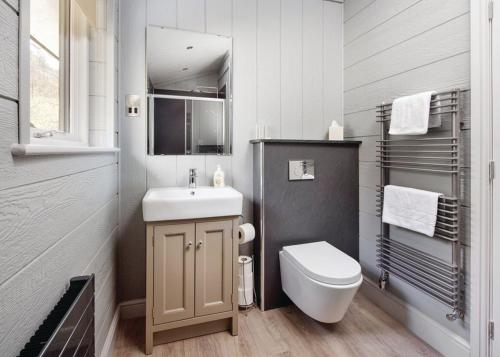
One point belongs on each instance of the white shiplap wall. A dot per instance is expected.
(287, 74)
(394, 48)
(58, 217)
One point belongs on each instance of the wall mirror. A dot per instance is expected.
(189, 92)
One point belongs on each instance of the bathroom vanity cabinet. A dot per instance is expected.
(191, 279)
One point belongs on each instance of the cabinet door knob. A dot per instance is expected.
(200, 243)
(189, 244)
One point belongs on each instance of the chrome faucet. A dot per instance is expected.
(192, 178)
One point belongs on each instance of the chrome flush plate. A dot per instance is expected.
(299, 170)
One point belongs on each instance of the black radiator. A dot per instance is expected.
(69, 328)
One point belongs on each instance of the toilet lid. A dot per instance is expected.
(323, 262)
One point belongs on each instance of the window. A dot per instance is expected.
(67, 71)
(46, 65)
(53, 42)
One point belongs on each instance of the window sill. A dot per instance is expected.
(41, 150)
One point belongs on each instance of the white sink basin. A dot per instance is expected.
(163, 204)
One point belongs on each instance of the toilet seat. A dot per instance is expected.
(323, 262)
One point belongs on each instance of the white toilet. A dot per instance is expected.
(320, 279)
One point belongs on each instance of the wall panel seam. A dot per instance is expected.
(69, 234)
(106, 278)
(58, 177)
(322, 108)
(176, 14)
(302, 70)
(113, 233)
(98, 296)
(406, 40)
(359, 11)
(281, 64)
(232, 30)
(257, 119)
(205, 16)
(6, 97)
(382, 22)
(323, 64)
(409, 70)
(16, 11)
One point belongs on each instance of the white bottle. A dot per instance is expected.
(219, 177)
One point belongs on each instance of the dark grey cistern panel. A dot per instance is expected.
(290, 212)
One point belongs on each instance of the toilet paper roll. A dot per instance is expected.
(244, 259)
(245, 281)
(245, 297)
(245, 265)
(246, 233)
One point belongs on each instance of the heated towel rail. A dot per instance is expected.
(437, 152)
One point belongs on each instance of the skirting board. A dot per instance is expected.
(125, 310)
(109, 344)
(132, 309)
(437, 336)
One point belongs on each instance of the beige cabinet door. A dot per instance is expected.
(214, 267)
(174, 252)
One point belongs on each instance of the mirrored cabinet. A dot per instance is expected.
(189, 92)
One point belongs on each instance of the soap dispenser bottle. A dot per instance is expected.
(219, 177)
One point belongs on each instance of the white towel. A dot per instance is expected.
(411, 208)
(410, 115)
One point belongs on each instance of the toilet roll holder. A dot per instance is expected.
(243, 262)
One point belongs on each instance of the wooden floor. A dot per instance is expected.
(365, 331)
